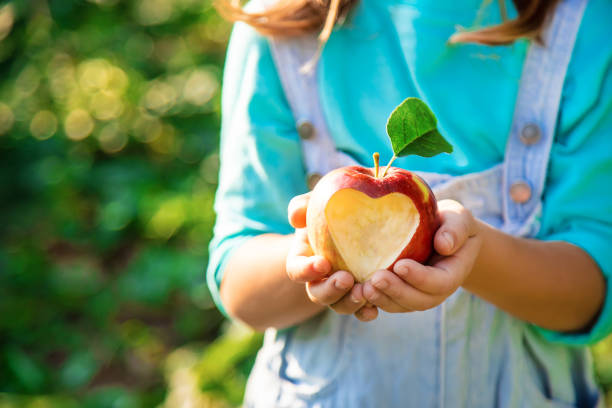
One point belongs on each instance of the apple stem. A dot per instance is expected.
(376, 158)
(389, 165)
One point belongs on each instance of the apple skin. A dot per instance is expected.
(363, 179)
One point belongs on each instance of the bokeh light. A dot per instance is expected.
(112, 138)
(78, 124)
(153, 12)
(106, 105)
(93, 74)
(28, 81)
(106, 3)
(167, 143)
(160, 97)
(168, 218)
(43, 125)
(6, 118)
(7, 18)
(200, 87)
(147, 128)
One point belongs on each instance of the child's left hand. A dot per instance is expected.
(414, 286)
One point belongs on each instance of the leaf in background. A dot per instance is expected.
(27, 370)
(412, 130)
(78, 370)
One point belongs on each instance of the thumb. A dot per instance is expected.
(297, 210)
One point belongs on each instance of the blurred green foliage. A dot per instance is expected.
(109, 118)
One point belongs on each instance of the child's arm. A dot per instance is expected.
(256, 288)
(555, 285)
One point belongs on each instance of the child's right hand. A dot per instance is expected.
(337, 290)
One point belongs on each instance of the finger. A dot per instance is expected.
(302, 269)
(329, 291)
(457, 226)
(300, 245)
(351, 302)
(460, 264)
(431, 280)
(402, 293)
(367, 313)
(445, 275)
(301, 265)
(296, 210)
(379, 299)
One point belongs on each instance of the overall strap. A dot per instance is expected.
(535, 117)
(301, 89)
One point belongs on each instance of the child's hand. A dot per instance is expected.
(338, 290)
(414, 286)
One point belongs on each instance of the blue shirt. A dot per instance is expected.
(389, 50)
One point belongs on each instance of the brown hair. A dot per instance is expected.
(295, 17)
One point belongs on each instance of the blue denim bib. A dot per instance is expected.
(465, 352)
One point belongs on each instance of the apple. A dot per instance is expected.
(362, 222)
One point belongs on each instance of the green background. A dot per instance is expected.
(109, 119)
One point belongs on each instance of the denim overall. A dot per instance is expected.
(465, 352)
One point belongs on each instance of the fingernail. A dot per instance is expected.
(355, 300)
(401, 267)
(381, 284)
(446, 236)
(341, 285)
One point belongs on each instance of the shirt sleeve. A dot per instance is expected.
(577, 205)
(261, 166)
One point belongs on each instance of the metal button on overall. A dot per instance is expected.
(312, 179)
(530, 134)
(305, 129)
(520, 192)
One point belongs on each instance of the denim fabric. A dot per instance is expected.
(465, 352)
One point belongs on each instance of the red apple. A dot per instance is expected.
(362, 223)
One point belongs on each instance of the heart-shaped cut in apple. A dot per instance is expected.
(362, 223)
(373, 237)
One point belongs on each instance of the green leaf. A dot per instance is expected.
(428, 145)
(412, 128)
